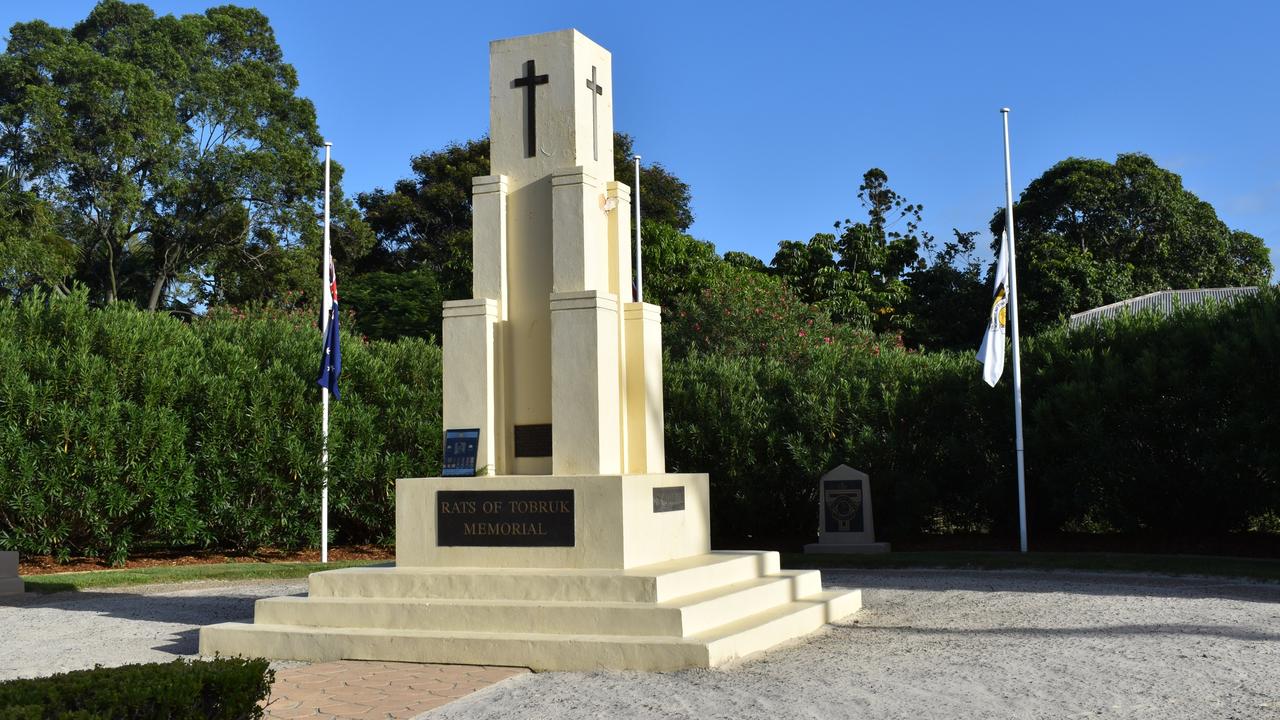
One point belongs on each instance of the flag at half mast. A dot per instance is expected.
(991, 353)
(331, 359)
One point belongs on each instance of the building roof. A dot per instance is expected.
(1163, 302)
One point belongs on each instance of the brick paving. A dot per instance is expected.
(375, 690)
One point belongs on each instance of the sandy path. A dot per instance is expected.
(936, 644)
(931, 644)
(47, 634)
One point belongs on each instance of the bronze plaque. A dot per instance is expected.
(504, 518)
(842, 506)
(668, 499)
(533, 440)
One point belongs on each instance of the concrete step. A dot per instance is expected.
(652, 583)
(681, 617)
(539, 651)
(741, 638)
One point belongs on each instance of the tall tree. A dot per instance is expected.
(160, 142)
(1090, 232)
(859, 273)
(31, 250)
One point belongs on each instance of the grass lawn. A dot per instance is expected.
(1254, 568)
(1257, 569)
(72, 581)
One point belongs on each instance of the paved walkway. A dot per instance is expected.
(381, 690)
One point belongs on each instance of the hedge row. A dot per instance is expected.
(221, 689)
(1140, 425)
(121, 430)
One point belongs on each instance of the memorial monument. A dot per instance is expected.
(571, 548)
(845, 521)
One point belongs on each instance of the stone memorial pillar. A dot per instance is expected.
(845, 521)
(574, 549)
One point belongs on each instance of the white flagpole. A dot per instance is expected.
(1013, 327)
(635, 194)
(324, 392)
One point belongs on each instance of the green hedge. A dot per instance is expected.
(1146, 425)
(222, 689)
(121, 429)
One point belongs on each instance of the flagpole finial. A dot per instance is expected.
(1004, 110)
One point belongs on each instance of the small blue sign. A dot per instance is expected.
(460, 452)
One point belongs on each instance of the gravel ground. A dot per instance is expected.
(931, 644)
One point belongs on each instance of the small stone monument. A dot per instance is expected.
(10, 583)
(845, 521)
(557, 540)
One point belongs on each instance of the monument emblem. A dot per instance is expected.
(572, 547)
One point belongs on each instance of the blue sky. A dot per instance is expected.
(772, 112)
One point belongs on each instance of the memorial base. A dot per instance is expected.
(636, 590)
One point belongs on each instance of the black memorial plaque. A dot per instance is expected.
(842, 506)
(533, 440)
(460, 452)
(504, 518)
(668, 499)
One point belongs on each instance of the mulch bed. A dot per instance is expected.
(46, 564)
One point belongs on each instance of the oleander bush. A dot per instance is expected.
(122, 429)
(1141, 425)
(219, 689)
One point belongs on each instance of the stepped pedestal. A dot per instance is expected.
(700, 611)
(620, 577)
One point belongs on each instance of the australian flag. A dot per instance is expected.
(331, 360)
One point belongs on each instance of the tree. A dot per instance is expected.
(664, 197)
(859, 273)
(1090, 232)
(161, 142)
(424, 223)
(31, 251)
(949, 298)
(675, 263)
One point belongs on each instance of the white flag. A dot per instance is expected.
(991, 354)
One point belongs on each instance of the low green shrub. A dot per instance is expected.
(219, 689)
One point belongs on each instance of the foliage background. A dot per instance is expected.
(123, 430)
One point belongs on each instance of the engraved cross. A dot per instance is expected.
(530, 82)
(596, 90)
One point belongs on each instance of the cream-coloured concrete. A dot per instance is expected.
(579, 234)
(489, 239)
(614, 523)
(618, 208)
(584, 384)
(706, 622)
(470, 330)
(553, 223)
(657, 583)
(10, 583)
(646, 452)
